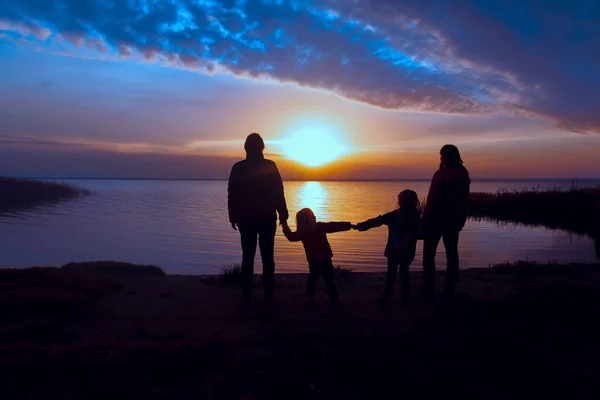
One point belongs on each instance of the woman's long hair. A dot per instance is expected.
(306, 221)
(450, 157)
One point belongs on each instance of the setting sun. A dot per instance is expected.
(314, 145)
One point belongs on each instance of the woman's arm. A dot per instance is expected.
(433, 198)
(291, 236)
(233, 197)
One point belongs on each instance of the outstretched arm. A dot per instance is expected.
(291, 236)
(370, 223)
(332, 227)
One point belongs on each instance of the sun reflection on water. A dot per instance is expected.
(314, 196)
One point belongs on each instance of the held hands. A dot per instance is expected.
(359, 227)
(285, 228)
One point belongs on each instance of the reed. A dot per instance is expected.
(17, 193)
(575, 210)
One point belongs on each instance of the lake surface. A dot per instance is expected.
(183, 227)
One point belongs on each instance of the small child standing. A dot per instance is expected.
(404, 228)
(313, 236)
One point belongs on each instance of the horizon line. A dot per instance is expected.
(508, 179)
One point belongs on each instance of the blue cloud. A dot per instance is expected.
(539, 58)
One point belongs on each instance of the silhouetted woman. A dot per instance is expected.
(444, 216)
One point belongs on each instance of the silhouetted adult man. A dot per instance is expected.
(255, 198)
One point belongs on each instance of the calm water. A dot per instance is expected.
(183, 227)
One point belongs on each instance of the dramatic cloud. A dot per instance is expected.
(465, 57)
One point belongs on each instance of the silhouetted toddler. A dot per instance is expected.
(313, 236)
(404, 228)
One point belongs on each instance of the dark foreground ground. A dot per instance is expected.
(102, 333)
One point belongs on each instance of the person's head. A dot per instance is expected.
(306, 220)
(408, 200)
(254, 144)
(450, 157)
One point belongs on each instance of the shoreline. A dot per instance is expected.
(414, 270)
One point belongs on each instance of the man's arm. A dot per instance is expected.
(279, 194)
(233, 198)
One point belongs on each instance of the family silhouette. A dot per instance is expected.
(256, 199)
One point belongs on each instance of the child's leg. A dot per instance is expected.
(404, 281)
(404, 267)
(390, 278)
(313, 274)
(327, 270)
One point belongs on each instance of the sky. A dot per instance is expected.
(170, 88)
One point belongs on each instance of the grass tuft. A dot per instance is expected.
(342, 273)
(230, 275)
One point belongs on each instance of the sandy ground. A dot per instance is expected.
(512, 332)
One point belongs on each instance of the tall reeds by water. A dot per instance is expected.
(576, 210)
(17, 193)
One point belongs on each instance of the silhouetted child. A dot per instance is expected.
(313, 236)
(404, 228)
